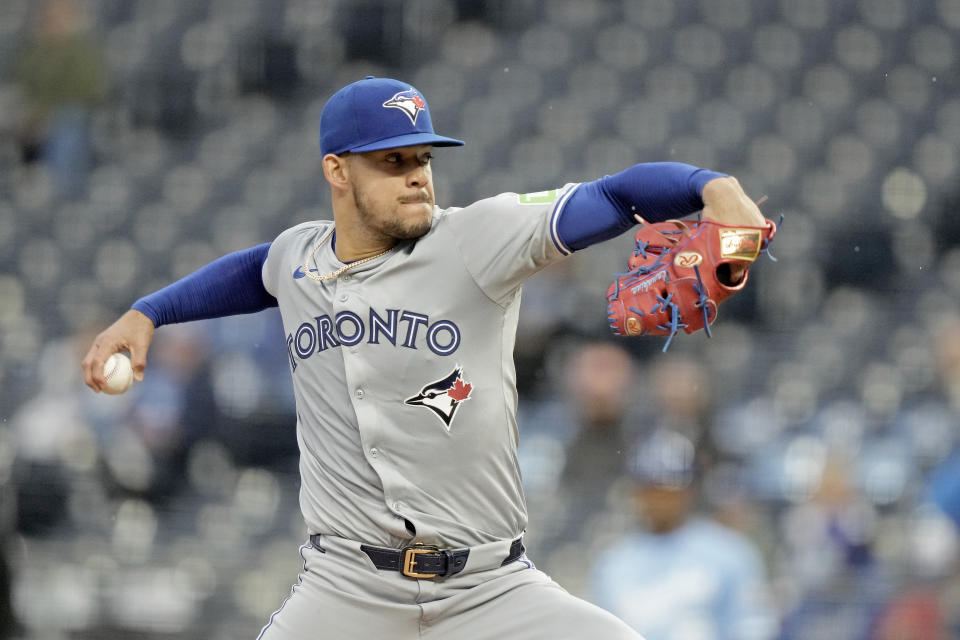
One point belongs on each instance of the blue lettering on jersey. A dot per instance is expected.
(349, 336)
(387, 328)
(414, 322)
(442, 337)
(451, 335)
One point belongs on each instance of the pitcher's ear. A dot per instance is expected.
(335, 169)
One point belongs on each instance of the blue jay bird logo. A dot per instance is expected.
(409, 101)
(444, 396)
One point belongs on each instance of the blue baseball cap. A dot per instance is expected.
(377, 113)
(665, 458)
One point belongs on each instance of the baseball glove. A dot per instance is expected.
(678, 273)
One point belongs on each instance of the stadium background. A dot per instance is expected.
(829, 395)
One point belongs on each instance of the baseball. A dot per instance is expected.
(119, 374)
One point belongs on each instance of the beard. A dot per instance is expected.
(393, 225)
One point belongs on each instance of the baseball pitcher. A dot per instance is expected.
(399, 320)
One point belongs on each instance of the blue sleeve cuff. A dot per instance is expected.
(656, 191)
(227, 286)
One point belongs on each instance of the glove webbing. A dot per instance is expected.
(636, 273)
(641, 250)
(675, 324)
(702, 302)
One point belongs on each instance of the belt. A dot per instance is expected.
(426, 561)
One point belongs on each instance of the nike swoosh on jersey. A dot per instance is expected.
(298, 273)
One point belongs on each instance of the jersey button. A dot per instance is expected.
(359, 394)
(374, 452)
(344, 297)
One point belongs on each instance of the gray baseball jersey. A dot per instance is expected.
(406, 403)
(403, 373)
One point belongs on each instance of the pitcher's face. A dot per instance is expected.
(393, 190)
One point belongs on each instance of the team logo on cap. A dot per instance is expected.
(444, 396)
(409, 101)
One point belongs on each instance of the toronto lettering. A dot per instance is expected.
(399, 328)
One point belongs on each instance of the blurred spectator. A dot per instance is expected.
(682, 575)
(829, 559)
(146, 451)
(250, 376)
(46, 431)
(597, 382)
(947, 341)
(929, 606)
(682, 397)
(944, 486)
(61, 76)
(570, 451)
(913, 615)
(8, 623)
(943, 482)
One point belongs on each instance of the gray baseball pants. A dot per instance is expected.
(341, 595)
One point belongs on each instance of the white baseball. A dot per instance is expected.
(119, 374)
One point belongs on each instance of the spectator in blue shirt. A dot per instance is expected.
(681, 576)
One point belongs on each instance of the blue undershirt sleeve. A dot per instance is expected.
(656, 191)
(227, 286)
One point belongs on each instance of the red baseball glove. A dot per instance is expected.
(679, 273)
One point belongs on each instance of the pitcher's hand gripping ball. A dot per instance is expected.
(119, 374)
(679, 273)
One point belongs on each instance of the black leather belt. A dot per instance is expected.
(426, 561)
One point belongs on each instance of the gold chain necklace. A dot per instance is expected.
(334, 274)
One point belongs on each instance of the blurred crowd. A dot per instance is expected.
(795, 477)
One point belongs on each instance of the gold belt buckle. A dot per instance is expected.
(410, 560)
